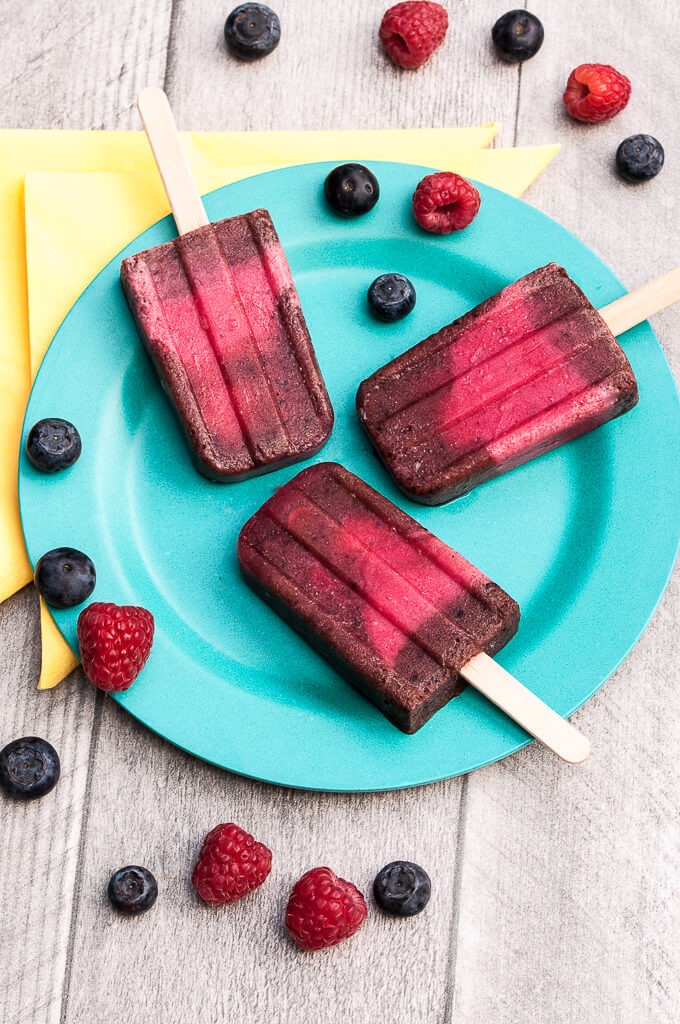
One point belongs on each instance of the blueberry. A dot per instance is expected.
(351, 189)
(65, 577)
(639, 158)
(391, 297)
(53, 445)
(252, 31)
(132, 890)
(402, 888)
(29, 768)
(517, 35)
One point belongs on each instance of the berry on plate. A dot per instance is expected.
(445, 202)
(230, 865)
(115, 642)
(639, 158)
(252, 31)
(410, 32)
(596, 92)
(517, 35)
(53, 444)
(391, 297)
(29, 768)
(323, 910)
(402, 888)
(65, 577)
(351, 189)
(132, 890)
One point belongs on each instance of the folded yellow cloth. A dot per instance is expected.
(67, 224)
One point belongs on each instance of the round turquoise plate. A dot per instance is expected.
(584, 537)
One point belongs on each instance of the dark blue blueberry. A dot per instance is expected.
(132, 890)
(351, 189)
(402, 888)
(391, 297)
(639, 158)
(65, 577)
(29, 768)
(252, 31)
(53, 445)
(517, 35)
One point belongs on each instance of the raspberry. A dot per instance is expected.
(230, 865)
(115, 641)
(596, 92)
(323, 910)
(410, 32)
(445, 202)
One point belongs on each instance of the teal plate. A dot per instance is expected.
(584, 537)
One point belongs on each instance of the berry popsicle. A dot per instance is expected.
(529, 369)
(220, 317)
(397, 612)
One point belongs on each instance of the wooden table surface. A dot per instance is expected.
(556, 890)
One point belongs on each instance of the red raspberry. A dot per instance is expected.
(410, 32)
(230, 865)
(596, 92)
(323, 910)
(115, 641)
(445, 202)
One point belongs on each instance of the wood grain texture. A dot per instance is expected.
(39, 841)
(555, 888)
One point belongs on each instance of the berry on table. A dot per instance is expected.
(402, 888)
(323, 910)
(252, 31)
(596, 92)
(132, 890)
(391, 297)
(65, 577)
(517, 35)
(445, 202)
(115, 642)
(231, 864)
(410, 32)
(351, 189)
(639, 158)
(29, 768)
(53, 444)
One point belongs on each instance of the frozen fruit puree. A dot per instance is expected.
(219, 314)
(395, 610)
(530, 368)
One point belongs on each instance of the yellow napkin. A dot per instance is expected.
(75, 222)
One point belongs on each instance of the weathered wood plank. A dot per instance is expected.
(152, 804)
(39, 840)
(79, 65)
(329, 71)
(567, 907)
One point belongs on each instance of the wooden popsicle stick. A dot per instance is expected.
(166, 145)
(638, 305)
(526, 708)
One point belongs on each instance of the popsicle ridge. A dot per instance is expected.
(224, 328)
(329, 546)
(482, 395)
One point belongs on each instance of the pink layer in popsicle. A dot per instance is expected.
(220, 316)
(529, 369)
(395, 610)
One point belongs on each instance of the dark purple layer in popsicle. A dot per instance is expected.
(395, 610)
(220, 316)
(527, 370)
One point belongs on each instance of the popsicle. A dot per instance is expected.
(529, 369)
(219, 314)
(397, 612)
